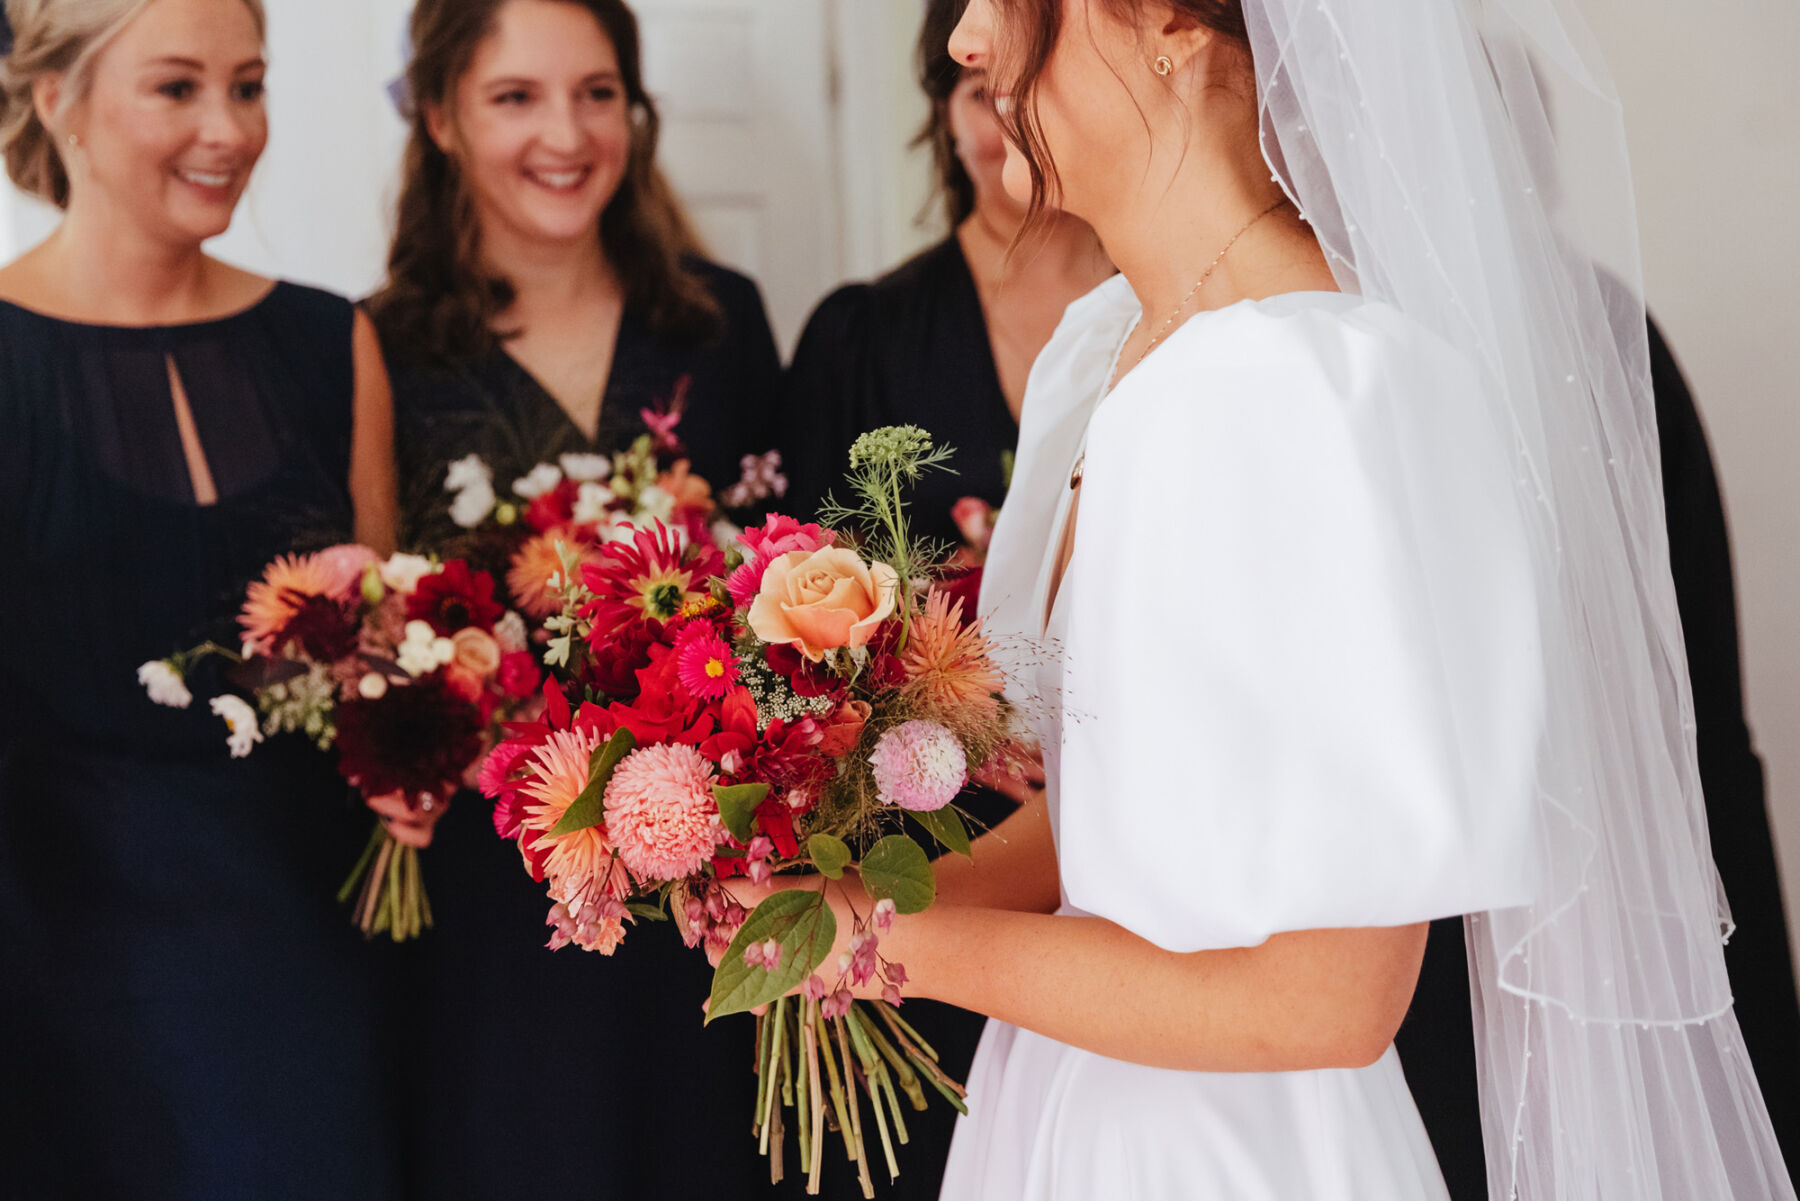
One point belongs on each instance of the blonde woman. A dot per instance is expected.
(185, 1013)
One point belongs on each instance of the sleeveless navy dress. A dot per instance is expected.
(184, 1010)
(569, 1074)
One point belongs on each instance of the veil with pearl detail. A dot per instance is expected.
(1422, 139)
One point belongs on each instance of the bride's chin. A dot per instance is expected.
(1015, 176)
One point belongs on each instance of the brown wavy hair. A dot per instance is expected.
(48, 37)
(439, 302)
(1034, 26)
(938, 74)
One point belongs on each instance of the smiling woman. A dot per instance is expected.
(545, 298)
(168, 424)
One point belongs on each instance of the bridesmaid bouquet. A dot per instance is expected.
(404, 666)
(583, 501)
(814, 693)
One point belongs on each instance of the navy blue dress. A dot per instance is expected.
(570, 1074)
(186, 1012)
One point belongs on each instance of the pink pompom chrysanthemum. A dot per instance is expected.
(919, 765)
(660, 811)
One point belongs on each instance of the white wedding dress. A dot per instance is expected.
(1298, 689)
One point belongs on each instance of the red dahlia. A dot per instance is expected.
(455, 599)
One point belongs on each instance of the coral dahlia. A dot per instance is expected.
(271, 602)
(582, 866)
(947, 664)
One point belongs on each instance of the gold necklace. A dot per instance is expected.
(1201, 282)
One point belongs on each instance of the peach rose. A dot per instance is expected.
(476, 652)
(818, 600)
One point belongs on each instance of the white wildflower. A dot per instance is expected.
(467, 472)
(402, 573)
(473, 504)
(655, 501)
(540, 480)
(582, 468)
(240, 719)
(164, 684)
(592, 503)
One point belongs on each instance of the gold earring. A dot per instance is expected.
(1163, 64)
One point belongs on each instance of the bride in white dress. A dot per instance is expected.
(1339, 504)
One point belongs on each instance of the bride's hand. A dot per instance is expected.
(410, 825)
(849, 902)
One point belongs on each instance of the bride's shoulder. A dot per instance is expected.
(1305, 357)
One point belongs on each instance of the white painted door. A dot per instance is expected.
(744, 89)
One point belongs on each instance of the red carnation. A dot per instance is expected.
(519, 675)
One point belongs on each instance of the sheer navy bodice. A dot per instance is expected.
(113, 560)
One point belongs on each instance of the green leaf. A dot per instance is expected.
(802, 923)
(896, 867)
(737, 806)
(945, 825)
(589, 809)
(647, 911)
(829, 854)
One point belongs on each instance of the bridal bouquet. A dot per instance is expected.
(403, 666)
(814, 694)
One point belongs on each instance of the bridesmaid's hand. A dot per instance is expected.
(410, 825)
(849, 902)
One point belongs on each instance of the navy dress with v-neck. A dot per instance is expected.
(570, 1075)
(184, 1010)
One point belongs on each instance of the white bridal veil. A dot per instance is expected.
(1465, 162)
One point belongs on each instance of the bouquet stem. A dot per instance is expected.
(389, 889)
(815, 1065)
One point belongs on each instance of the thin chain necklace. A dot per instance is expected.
(1079, 469)
(1201, 282)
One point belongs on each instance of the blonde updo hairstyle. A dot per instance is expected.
(57, 37)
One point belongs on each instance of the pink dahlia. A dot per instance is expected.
(704, 662)
(919, 765)
(661, 813)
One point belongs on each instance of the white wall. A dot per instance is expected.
(1711, 95)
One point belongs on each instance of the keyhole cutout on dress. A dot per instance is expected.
(199, 472)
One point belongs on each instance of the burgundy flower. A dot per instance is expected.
(322, 627)
(414, 739)
(455, 599)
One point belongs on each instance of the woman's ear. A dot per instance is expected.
(1181, 38)
(46, 98)
(437, 124)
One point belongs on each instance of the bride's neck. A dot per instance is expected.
(1163, 233)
